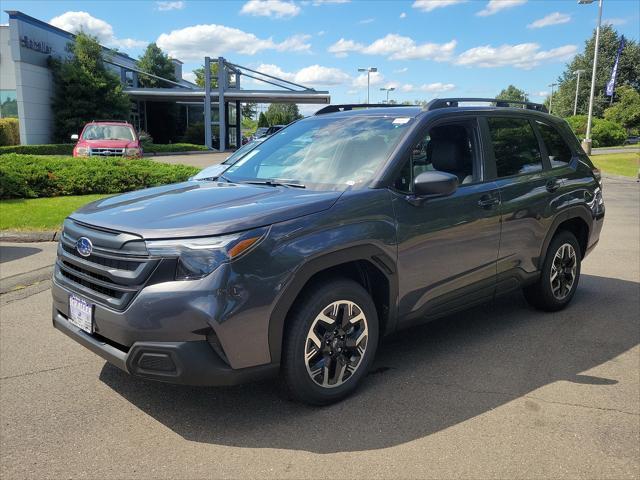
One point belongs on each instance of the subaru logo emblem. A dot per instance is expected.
(84, 246)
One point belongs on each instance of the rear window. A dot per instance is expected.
(557, 149)
(515, 146)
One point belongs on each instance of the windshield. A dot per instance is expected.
(323, 153)
(242, 151)
(107, 132)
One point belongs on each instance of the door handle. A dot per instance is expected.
(553, 185)
(488, 201)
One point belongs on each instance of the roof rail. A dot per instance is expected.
(454, 102)
(109, 121)
(356, 106)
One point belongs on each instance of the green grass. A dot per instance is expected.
(40, 213)
(625, 164)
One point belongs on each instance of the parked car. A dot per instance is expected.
(259, 133)
(333, 233)
(107, 139)
(632, 140)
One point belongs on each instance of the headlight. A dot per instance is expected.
(82, 151)
(198, 257)
(132, 152)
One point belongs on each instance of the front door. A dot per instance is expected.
(447, 246)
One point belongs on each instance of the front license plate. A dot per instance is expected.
(81, 313)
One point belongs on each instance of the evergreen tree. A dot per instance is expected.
(158, 63)
(249, 110)
(513, 93)
(262, 120)
(628, 74)
(84, 89)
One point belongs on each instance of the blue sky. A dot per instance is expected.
(423, 48)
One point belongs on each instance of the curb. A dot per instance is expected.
(169, 154)
(23, 280)
(27, 236)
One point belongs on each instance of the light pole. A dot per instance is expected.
(551, 97)
(387, 89)
(575, 103)
(586, 143)
(369, 71)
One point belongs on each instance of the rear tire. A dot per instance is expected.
(560, 274)
(330, 342)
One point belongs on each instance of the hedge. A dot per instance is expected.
(32, 176)
(604, 133)
(67, 148)
(9, 131)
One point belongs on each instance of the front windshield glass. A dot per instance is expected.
(107, 132)
(323, 153)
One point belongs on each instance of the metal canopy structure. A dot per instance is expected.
(228, 90)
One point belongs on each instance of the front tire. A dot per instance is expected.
(330, 341)
(560, 274)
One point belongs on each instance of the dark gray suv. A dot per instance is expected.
(337, 230)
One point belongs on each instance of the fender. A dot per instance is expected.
(372, 253)
(576, 211)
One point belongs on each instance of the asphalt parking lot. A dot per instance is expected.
(501, 391)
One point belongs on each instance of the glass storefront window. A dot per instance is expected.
(8, 104)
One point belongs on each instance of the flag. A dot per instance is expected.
(611, 86)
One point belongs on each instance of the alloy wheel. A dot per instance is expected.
(563, 271)
(336, 343)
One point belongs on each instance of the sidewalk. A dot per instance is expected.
(23, 264)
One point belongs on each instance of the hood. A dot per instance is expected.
(195, 209)
(108, 143)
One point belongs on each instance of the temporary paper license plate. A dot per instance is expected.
(81, 313)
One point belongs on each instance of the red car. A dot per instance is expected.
(107, 139)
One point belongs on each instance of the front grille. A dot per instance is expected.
(115, 271)
(106, 152)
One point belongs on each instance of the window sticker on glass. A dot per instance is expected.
(401, 120)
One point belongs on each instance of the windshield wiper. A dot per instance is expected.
(275, 183)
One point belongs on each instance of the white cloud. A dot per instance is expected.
(396, 47)
(189, 76)
(437, 87)
(198, 41)
(555, 18)
(403, 15)
(321, 33)
(317, 3)
(375, 78)
(76, 22)
(614, 21)
(270, 8)
(401, 70)
(542, 94)
(495, 6)
(524, 55)
(429, 5)
(166, 6)
(364, 21)
(313, 75)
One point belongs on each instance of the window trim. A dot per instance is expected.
(492, 154)
(479, 161)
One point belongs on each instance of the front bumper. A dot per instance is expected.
(186, 363)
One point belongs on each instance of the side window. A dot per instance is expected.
(447, 148)
(558, 150)
(515, 146)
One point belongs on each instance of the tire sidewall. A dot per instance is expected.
(297, 377)
(556, 243)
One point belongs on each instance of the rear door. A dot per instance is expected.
(526, 190)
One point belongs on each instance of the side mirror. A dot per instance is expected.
(435, 183)
(74, 136)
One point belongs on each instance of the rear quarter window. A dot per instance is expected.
(515, 146)
(559, 152)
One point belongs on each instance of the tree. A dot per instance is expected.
(605, 133)
(199, 73)
(84, 89)
(282, 113)
(513, 93)
(628, 74)
(158, 63)
(262, 120)
(626, 111)
(249, 110)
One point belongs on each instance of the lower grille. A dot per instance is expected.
(109, 292)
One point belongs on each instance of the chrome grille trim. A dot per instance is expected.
(106, 152)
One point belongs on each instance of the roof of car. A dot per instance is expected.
(399, 111)
(109, 122)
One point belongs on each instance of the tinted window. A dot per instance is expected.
(515, 146)
(559, 152)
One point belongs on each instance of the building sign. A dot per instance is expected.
(35, 45)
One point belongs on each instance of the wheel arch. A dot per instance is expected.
(578, 221)
(367, 264)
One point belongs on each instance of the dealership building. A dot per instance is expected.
(26, 86)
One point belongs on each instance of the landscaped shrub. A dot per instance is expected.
(31, 176)
(604, 133)
(48, 149)
(9, 131)
(145, 138)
